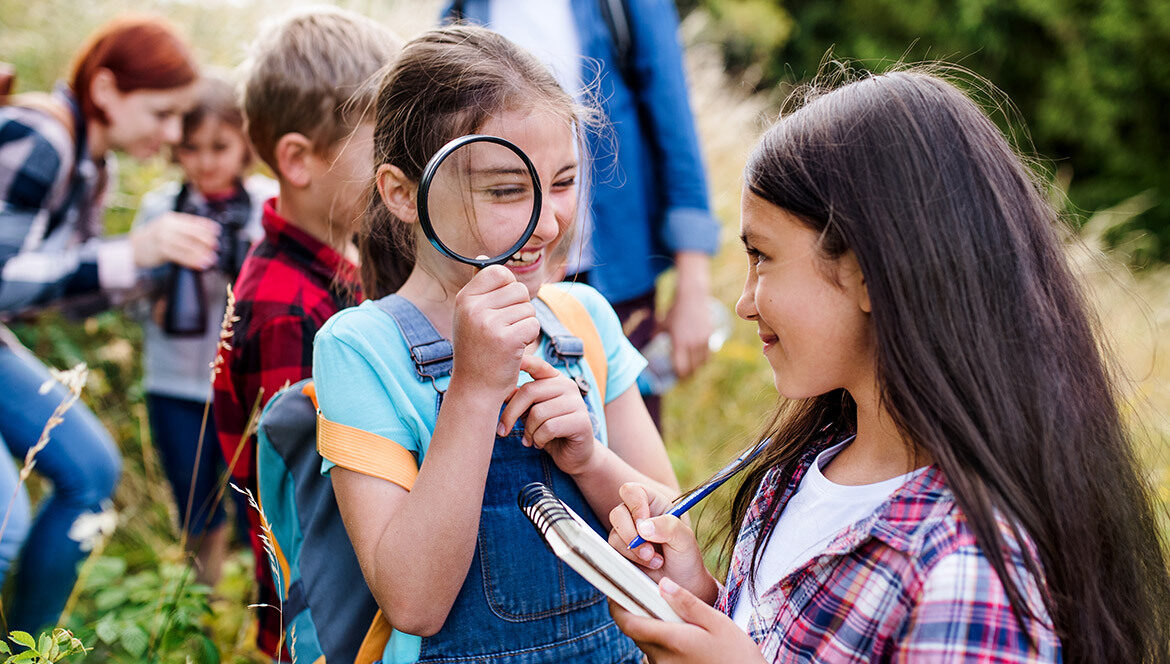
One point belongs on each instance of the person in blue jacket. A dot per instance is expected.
(649, 200)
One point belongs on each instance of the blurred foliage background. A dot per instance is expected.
(1089, 93)
(1088, 78)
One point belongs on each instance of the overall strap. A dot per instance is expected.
(563, 345)
(432, 354)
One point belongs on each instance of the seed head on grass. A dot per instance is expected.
(73, 380)
(266, 538)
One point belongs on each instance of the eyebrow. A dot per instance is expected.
(501, 170)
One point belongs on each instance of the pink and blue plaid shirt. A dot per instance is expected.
(906, 584)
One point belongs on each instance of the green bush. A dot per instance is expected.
(1088, 78)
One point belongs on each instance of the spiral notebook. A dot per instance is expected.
(581, 548)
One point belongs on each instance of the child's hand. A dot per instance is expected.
(176, 237)
(706, 635)
(555, 417)
(494, 323)
(671, 549)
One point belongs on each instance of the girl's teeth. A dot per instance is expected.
(524, 257)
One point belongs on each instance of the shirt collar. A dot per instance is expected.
(316, 256)
(902, 521)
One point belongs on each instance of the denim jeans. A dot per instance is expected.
(83, 465)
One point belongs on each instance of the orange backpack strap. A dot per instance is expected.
(574, 316)
(374, 643)
(365, 452)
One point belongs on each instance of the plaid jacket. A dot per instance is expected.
(289, 285)
(906, 584)
(51, 200)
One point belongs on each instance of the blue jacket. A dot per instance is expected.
(650, 200)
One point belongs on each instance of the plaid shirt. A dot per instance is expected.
(907, 583)
(289, 285)
(51, 200)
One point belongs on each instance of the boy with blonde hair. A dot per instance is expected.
(310, 79)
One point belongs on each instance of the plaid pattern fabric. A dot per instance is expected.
(907, 583)
(289, 285)
(50, 207)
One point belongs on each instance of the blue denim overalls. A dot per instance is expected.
(519, 604)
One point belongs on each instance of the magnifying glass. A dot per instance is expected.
(479, 200)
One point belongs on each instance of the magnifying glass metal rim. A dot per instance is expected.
(424, 187)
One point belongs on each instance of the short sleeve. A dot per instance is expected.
(350, 391)
(963, 615)
(625, 362)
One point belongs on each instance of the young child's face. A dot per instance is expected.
(212, 157)
(812, 314)
(548, 140)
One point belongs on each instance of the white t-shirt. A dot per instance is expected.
(545, 28)
(813, 517)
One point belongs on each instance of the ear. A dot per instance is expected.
(397, 192)
(103, 88)
(293, 153)
(852, 279)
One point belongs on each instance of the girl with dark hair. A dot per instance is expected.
(950, 479)
(130, 84)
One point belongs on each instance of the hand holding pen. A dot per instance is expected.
(692, 497)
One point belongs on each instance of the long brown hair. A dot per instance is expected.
(142, 52)
(987, 353)
(446, 83)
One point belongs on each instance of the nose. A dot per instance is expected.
(745, 306)
(172, 130)
(547, 226)
(206, 161)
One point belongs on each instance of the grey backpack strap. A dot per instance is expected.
(432, 354)
(563, 346)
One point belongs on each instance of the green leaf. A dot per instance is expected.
(107, 629)
(135, 640)
(25, 656)
(44, 643)
(110, 598)
(4, 647)
(23, 638)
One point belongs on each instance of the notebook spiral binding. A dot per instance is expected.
(541, 506)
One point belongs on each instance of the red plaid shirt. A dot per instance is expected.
(905, 584)
(289, 285)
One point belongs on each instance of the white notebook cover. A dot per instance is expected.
(581, 548)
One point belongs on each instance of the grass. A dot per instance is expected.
(707, 419)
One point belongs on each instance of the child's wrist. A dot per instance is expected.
(593, 463)
(472, 398)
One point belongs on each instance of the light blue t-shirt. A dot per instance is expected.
(365, 378)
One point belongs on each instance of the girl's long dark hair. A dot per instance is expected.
(987, 354)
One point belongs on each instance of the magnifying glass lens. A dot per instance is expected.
(481, 201)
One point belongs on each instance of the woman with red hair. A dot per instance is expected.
(130, 84)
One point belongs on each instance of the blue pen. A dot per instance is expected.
(692, 497)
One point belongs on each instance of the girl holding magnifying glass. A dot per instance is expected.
(449, 558)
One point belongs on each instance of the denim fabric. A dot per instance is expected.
(175, 426)
(649, 189)
(83, 465)
(519, 603)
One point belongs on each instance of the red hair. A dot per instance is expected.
(142, 52)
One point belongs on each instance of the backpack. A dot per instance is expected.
(327, 610)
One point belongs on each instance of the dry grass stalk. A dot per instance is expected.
(73, 380)
(226, 331)
(266, 538)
